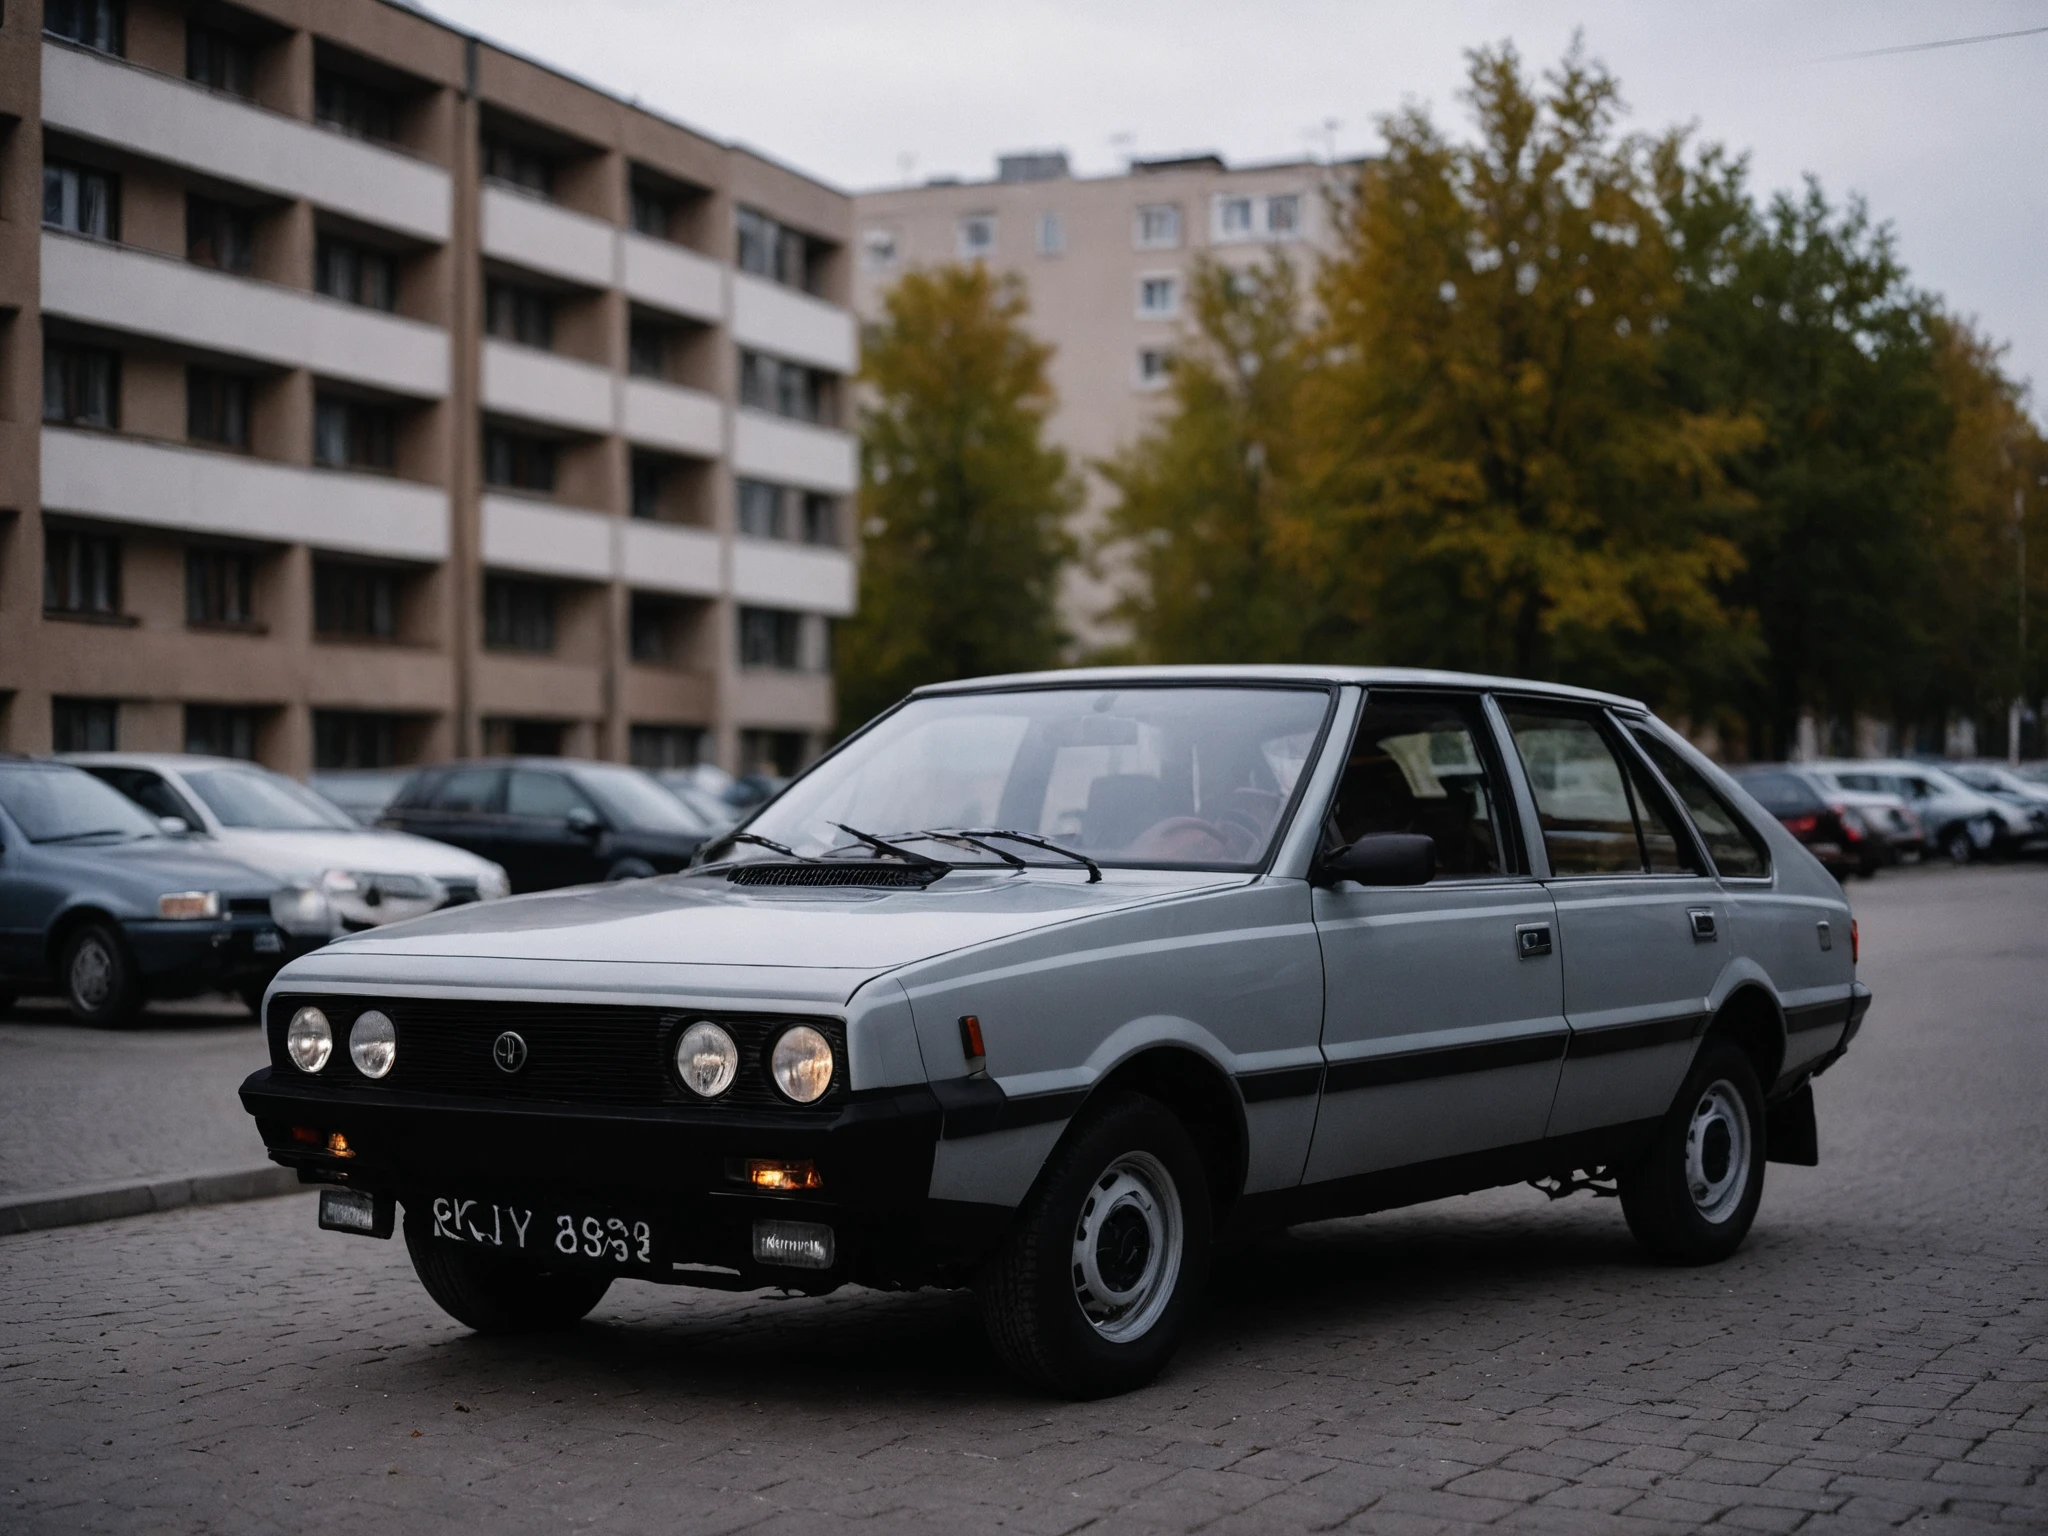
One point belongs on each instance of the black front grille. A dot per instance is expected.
(575, 1053)
(892, 876)
(460, 892)
(249, 906)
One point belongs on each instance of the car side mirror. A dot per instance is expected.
(1386, 858)
(173, 826)
(583, 821)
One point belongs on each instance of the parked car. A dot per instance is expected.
(97, 901)
(1962, 822)
(1816, 813)
(1893, 822)
(349, 876)
(703, 800)
(2013, 791)
(1041, 984)
(550, 821)
(362, 792)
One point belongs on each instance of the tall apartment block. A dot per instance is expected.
(1104, 261)
(369, 394)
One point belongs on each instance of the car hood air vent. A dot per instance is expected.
(911, 877)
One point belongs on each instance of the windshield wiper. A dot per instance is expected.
(968, 840)
(1029, 840)
(769, 843)
(882, 845)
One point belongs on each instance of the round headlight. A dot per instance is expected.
(706, 1060)
(802, 1064)
(373, 1043)
(308, 1040)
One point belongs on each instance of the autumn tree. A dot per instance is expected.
(963, 505)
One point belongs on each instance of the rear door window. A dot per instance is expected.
(471, 791)
(544, 796)
(1736, 848)
(1599, 815)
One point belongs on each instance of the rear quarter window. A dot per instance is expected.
(1737, 849)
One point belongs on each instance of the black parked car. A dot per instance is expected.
(97, 899)
(1832, 831)
(551, 822)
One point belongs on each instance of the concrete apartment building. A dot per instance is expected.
(1105, 262)
(371, 395)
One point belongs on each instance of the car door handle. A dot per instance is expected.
(1532, 940)
(1703, 929)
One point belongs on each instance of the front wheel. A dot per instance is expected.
(1694, 1194)
(1089, 1293)
(100, 983)
(497, 1296)
(1957, 845)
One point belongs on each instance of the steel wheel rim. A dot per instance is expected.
(92, 974)
(1718, 1151)
(1128, 1243)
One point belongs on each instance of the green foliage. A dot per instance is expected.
(962, 504)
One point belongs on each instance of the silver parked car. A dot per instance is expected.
(1042, 984)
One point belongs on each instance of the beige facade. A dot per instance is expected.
(1105, 262)
(369, 394)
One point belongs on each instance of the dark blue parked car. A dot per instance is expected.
(97, 899)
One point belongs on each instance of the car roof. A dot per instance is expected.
(1405, 677)
(558, 763)
(170, 761)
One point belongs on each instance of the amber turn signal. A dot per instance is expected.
(970, 1044)
(333, 1143)
(783, 1177)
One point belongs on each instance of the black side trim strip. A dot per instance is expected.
(1635, 1037)
(977, 1106)
(1444, 1061)
(1816, 1016)
(1037, 1108)
(1280, 1083)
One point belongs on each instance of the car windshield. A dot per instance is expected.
(250, 799)
(1188, 777)
(67, 805)
(632, 799)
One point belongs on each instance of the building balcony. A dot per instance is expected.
(793, 453)
(665, 276)
(661, 557)
(531, 536)
(777, 575)
(167, 119)
(658, 415)
(799, 701)
(543, 386)
(141, 292)
(771, 318)
(537, 235)
(197, 490)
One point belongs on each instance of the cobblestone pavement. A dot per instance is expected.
(1876, 1357)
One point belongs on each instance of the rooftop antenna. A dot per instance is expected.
(1123, 146)
(1325, 133)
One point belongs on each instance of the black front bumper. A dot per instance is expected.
(682, 1165)
(180, 958)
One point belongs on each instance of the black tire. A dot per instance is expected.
(1692, 1197)
(1124, 1198)
(1956, 844)
(493, 1295)
(98, 975)
(7, 1002)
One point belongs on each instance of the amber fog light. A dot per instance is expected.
(308, 1040)
(706, 1060)
(782, 1178)
(373, 1043)
(802, 1064)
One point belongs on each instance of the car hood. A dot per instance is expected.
(165, 864)
(296, 857)
(702, 920)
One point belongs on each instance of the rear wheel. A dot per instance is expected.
(496, 1296)
(1694, 1194)
(100, 984)
(1091, 1290)
(1955, 842)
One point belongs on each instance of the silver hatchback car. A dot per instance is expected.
(1043, 984)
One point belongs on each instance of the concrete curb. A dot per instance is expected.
(107, 1202)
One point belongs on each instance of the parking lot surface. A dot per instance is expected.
(1875, 1358)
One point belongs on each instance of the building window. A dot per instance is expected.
(647, 349)
(81, 573)
(514, 165)
(217, 587)
(523, 738)
(878, 249)
(81, 201)
(95, 24)
(81, 385)
(777, 252)
(351, 107)
(215, 730)
(1232, 218)
(785, 388)
(1154, 365)
(1283, 216)
(821, 519)
(1158, 227)
(518, 461)
(760, 507)
(347, 739)
(1158, 298)
(650, 474)
(356, 274)
(519, 615)
(524, 315)
(780, 753)
(219, 62)
(216, 408)
(651, 213)
(353, 434)
(1052, 235)
(219, 235)
(975, 236)
(84, 725)
(781, 641)
(649, 625)
(665, 746)
(357, 601)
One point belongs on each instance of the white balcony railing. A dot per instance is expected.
(794, 325)
(541, 386)
(542, 237)
(666, 276)
(778, 575)
(147, 294)
(659, 415)
(195, 490)
(521, 535)
(164, 118)
(793, 453)
(664, 558)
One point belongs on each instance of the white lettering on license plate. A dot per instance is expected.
(270, 943)
(508, 1226)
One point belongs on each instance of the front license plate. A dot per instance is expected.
(269, 942)
(548, 1232)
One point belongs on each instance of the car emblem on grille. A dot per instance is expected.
(509, 1052)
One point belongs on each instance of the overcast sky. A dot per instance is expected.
(1950, 145)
